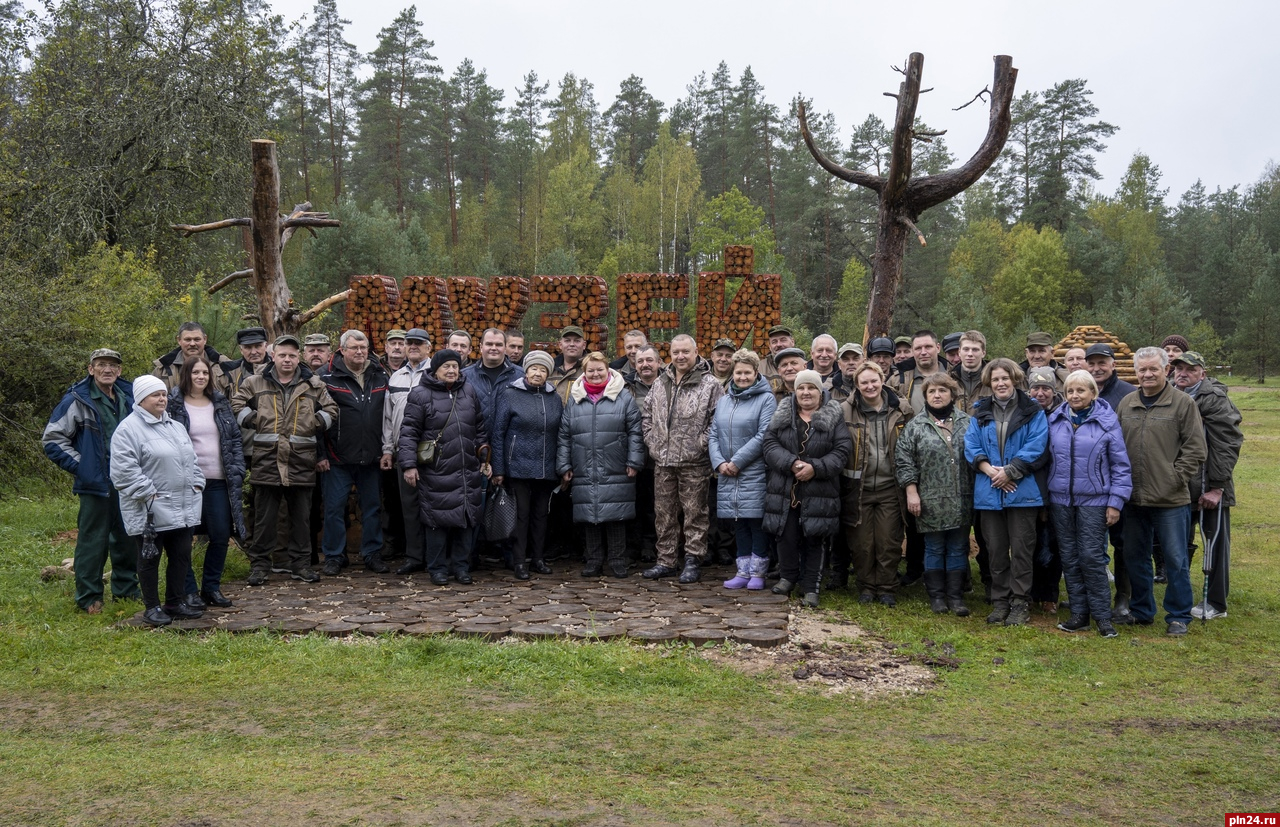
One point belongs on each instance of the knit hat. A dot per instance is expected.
(1177, 341)
(146, 385)
(444, 356)
(809, 377)
(539, 357)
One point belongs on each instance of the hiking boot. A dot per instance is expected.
(888, 601)
(1176, 628)
(1106, 629)
(998, 614)
(304, 574)
(1019, 614)
(1076, 623)
(810, 600)
(866, 597)
(692, 570)
(332, 567)
(257, 577)
(658, 571)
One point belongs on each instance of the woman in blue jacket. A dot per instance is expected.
(1089, 483)
(526, 430)
(1005, 443)
(737, 455)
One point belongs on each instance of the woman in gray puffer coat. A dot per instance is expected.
(736, 445)
(601, 450)
(805, 449)
(153, 466)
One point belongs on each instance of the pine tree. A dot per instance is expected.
(1257, 334)
(336, 62)
(632, 124)
(523, 133)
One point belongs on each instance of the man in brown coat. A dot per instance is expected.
(677, 425)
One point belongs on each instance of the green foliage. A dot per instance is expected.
(1035, 278)
(849, 322)
(1258, 333)
(1150, 309)
(731, 218)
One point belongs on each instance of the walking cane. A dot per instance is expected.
(1208, 562)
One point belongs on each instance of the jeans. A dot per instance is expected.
(337, 484)
(749, 532)
(215, 522)
(1143, 523)
(176, 545)
(947, 550)
(1082, 542)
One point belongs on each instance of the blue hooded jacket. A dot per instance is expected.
(1026, 441)
(737, 436)
(74, 439)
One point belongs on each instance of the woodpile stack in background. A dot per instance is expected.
(586, 298)
(739, 260)
(468, 296)
(755, 307)
(508, 301)
(373, 307)
(1091, 334)
(636, 291)
(424, 303)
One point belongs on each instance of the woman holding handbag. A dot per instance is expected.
(526, 429)
(439, 452)
(154, 467)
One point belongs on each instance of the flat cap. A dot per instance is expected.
(1039, 339)
(951, 342)
(417, 334)
(780, 330)
(787, 353)
(251, 336)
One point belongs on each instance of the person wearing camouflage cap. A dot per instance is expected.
(317, 350)
(393, 350)
(1213, 491)
(721, 359)
(78, 439)
(1039, 354)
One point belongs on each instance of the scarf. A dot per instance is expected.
(594, 391)
(1078, 417)
(943, 412)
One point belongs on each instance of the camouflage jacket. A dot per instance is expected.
(677, 417)
(938, 470)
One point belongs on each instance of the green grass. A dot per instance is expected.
(106, 726)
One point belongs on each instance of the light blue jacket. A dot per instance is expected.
(737, 435)
(154, 458)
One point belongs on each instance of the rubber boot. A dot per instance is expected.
(743, 577)
(757, 567)
(955, 592)
(935, 586)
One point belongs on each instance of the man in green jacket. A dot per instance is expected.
(1213, 490)
(1164, 437)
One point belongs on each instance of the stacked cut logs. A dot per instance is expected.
(586, 298)
(424, 303)
(1092, 334)
(508, 301)
(755, 308)
(739, 260)
(373, 307)
(635, 292)
(468, 296)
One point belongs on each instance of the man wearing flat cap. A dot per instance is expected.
(289, 408)
(780, 339)
(1040, 355)
(252, 344)
(78, 439)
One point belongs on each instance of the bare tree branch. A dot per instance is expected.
(336, 298)
(236, 276)
(189, 230)
(310, 221)
(911, 225)
(979, 96)
(862, 179)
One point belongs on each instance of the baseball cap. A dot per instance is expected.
(780, 330)
(572, 330)
(314, 339)
(724, 343)
(1189, 357)
(396, 333)
(105, 353)
(290, 339)
(1100, 349)
(848, 347)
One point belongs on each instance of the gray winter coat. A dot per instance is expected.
(153, 457)
(599, 442)
(737, 436)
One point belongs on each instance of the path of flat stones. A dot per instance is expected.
(497, 605)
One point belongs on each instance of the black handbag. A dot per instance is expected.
(499, 515)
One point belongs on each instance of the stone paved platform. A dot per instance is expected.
(497, 605)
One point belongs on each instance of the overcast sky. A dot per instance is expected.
(1193, 85)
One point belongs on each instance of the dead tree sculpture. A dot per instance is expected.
(269, 232)
(902, 198)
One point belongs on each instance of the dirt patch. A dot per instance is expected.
(838, 656)
(63, 537)
(1118, 727)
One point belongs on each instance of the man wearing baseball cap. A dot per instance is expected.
(78, 439)
(393, 351)
(568, 366)
(722, 362)
(848, 359)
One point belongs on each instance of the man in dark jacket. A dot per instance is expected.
(1101, 362)
(353, 451)
(78, 439)
(192, 341)
(1040, 355)
(1164, 437)
(486, 376)
(1213, 490)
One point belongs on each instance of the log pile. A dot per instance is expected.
(739, 260)
(754, 308)
(635, 292)
(1090, 334)
(373, 306)
(586, 298)
(468, 297)
(508, 301)
(424, 303)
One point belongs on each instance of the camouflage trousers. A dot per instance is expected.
(676, 489)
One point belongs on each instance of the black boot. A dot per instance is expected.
(692, 570)
(935, 581)
(955, 592)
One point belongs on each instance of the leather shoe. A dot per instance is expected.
(464, 578)
(332, 567)
(439, 579)
(658, 571)
(540, 567)
(195, 601)
(692, 570)
(618, 570)
(156, 617)
(183, 611)
(410, 568)
(522, 572)
(594, 570)
(374, 564)
(216, 598)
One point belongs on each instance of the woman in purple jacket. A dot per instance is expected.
(1089, 482)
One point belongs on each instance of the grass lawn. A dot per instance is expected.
(100, 725)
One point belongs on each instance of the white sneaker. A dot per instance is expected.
(1205, 611)
(1197, 611)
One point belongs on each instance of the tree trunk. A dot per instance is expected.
(275, 302)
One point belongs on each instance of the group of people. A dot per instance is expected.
(818, 470)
